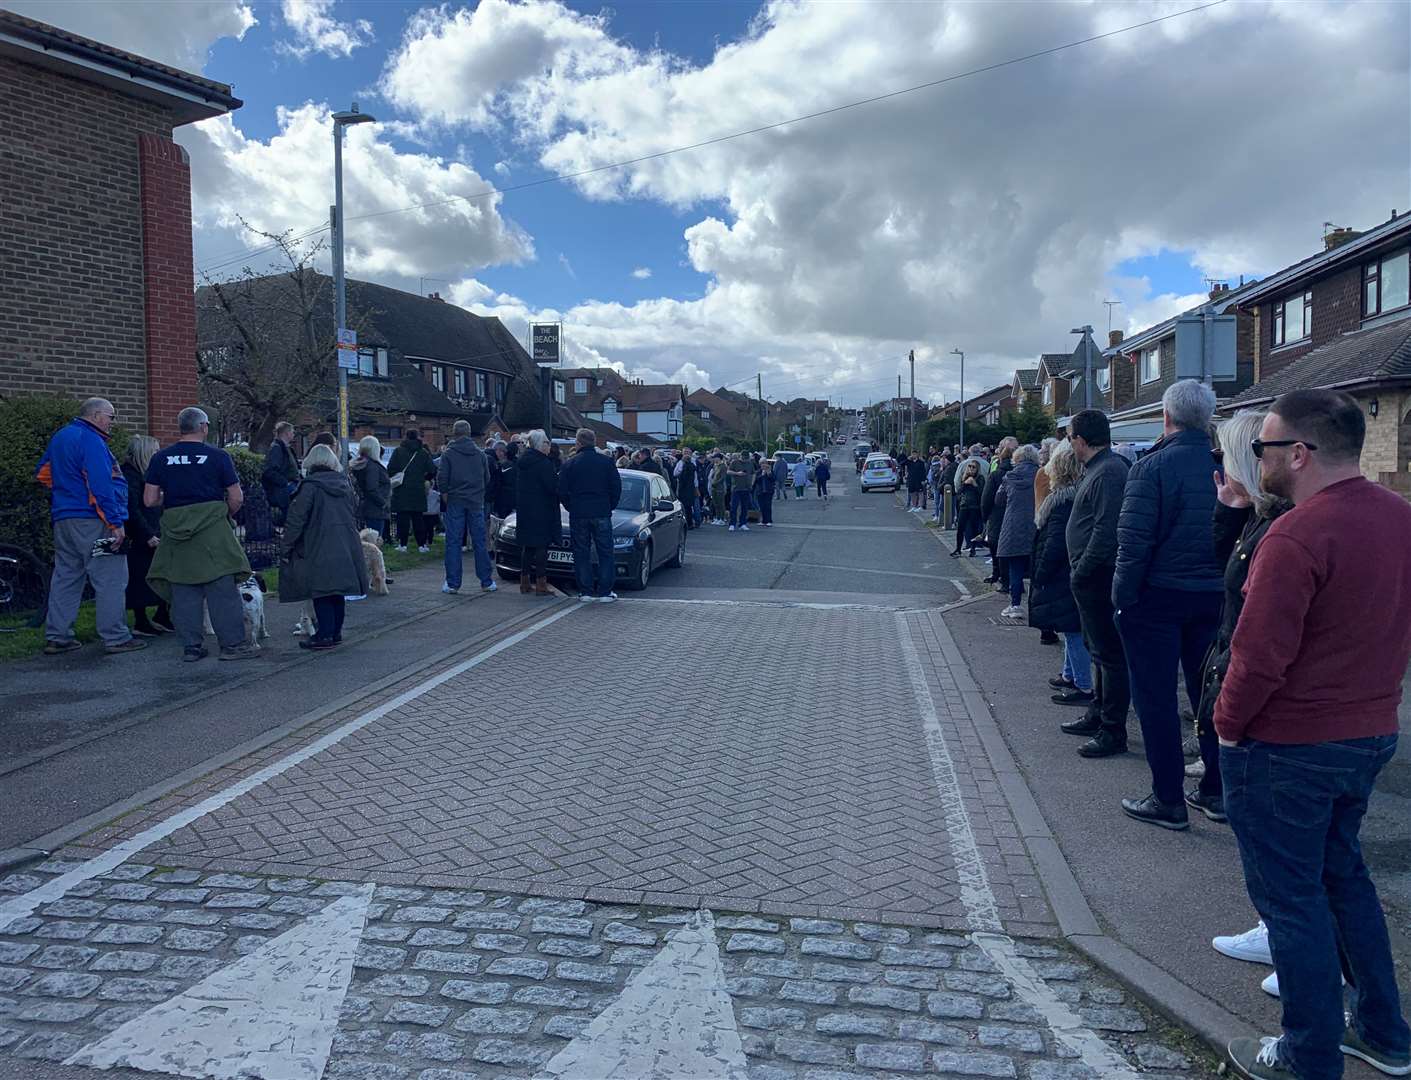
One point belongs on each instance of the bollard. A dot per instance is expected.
(948, 513)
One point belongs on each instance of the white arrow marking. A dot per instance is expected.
(673, 1021)
(270, 1015)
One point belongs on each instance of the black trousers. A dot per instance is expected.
(536, 562)
(1111, 685)
(412, 522)
(328, 614)
(967, 527)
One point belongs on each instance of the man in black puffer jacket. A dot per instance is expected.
(1167, 588)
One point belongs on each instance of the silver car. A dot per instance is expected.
(878, 472)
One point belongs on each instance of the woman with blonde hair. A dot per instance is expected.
(144, 530)
(321, 557)
(371, 482)
(1051, 602)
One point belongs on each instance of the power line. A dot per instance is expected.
(831, 111)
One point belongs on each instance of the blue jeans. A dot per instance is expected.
(1296, 812)
(1077, 664)
(1167, 629)
(458, 519)
(375, 524)
(740, 506)
(1018, 567)
(587, 534)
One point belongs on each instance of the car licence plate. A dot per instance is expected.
(561, 556)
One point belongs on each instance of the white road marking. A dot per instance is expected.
(845, 528)
(960, 586)
(673, 1021)
(271, 1014)
(26, 904)
(1066, 1025)
(975, 891)
(806, 605)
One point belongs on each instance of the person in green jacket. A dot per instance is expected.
(199, 563)
(411, 461)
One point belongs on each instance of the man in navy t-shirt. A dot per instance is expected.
(198, 557)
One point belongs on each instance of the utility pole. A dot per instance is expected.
(340, 307)
(763, 424)
(896, 414)
(960, 353)
(911, 402)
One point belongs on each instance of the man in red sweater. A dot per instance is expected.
(1307, 719)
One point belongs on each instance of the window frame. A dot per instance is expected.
(1048, 391)
(438, 376)
(559, 394)
(1374, 276)
(458, 380)
(1102, 377)
(1279, 319)
(580, 386)
(481, 386)
(1154, 352)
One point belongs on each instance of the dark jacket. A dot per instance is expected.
(143, 523)
(915, 475)
(463, 477)
(589, 485)
(413, 460)
(1164, 537)
(991, 509)
(685, 483)
(1051, 603)
(504, 485)
(537, 519)
(823, 470)
(1236, 535)
(321, 554)
(1092, 527)
(648, 464)
(1016, 501)
(374, 487)
(967, 496)
(280, 471)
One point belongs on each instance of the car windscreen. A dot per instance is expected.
(634, 494)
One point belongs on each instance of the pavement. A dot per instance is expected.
(758, 821)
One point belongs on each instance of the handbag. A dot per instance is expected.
(397, 479)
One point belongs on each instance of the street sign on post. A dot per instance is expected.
(348, 350)
(1205, 347)
(544, 343)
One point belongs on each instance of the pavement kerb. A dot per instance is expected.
(43, 846)
(1076, 920)
(251, 675)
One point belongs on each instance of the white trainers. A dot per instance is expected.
(445, 588)
(1012, 612)
(424, 549)
(732, 528)
(1270, 985)
(492, 587)
(744, 528)
(1252, 945)
(608, 599)
(402, 548)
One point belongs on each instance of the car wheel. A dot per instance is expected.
(680, 556)
(638, 581)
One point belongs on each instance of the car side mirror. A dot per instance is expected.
(664, 506)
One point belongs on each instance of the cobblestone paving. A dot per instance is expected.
(460, 984)
(763, 785)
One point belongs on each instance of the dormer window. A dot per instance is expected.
(580, 386)
(1048, 391)
(1385, 284)
(1104, 377)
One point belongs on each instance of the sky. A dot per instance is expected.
(991, 212)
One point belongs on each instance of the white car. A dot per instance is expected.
(878, 472)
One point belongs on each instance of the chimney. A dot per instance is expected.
(1114, 337)
(435, 296)
(1338, 237)
(1219, 288)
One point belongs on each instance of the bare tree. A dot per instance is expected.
(266, 342)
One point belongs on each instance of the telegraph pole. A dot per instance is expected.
(340, 303)
(961, 354)
(763, 424)
(911, 403)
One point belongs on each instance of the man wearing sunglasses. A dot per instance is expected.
(1307, 719)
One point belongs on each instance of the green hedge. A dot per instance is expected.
(26, 425)
(248, 465)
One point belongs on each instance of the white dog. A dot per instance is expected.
(252, 603)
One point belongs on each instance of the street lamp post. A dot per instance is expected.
(341, 120)
(961, 354)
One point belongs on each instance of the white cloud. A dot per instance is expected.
(987, 213)
(642, 273)
(287, 182)
(317, 31)
(567, 266)
(175, 32)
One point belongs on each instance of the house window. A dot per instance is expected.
(501, 385)
(705, 414)
(1385, 284)
(1048, 392)
(438, 377)
(1293, 318)
(580, 386)
(480, 385)
(1151, 364)
(558, 391)
(459, 381)
(367, 362)
(1104, 377)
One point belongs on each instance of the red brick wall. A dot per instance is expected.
(169, 294)
(71, 238)
(1337, 308)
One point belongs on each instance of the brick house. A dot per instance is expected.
(720, 414)
(1341, 320)
(993, 405)
(423, 363)
(1137, 370)
(1055, 380)
(1026, 386)
(651, 410)
(95, 222)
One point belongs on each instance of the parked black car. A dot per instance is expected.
(648, 531)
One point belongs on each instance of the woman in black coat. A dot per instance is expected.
(1051, 603)
(537, 520)
(969, 486)
(994, 515)
(1243, 514)
(144, 530)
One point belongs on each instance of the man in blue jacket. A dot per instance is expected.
(89, 505)
(1167, 589)
(590, 488)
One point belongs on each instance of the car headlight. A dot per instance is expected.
(623, 543)
(507, 532)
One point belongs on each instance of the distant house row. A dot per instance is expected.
(1339, 319)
